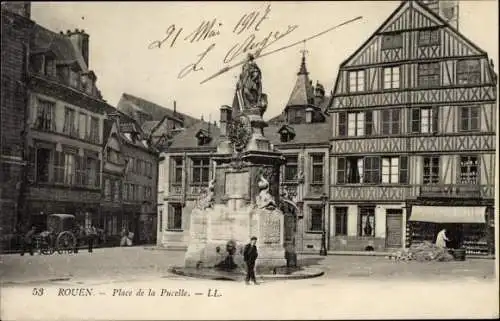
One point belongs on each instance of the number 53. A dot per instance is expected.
(37, 291)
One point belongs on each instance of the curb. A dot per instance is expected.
(307, 273)
(35, 281)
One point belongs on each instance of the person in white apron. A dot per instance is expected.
(441, 239)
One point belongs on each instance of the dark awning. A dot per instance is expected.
(448, 214)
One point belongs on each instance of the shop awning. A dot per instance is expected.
(448, 214)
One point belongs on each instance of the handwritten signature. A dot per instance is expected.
(196, 65)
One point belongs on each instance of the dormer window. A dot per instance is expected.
(50, 66)
(309, 115)
(74, 78)
(286, 133)
(203, 137)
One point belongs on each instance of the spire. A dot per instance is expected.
(302, 93)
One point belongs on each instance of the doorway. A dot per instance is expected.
(394, 228)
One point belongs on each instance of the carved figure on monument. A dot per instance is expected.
(249, 87)
(239, 132)
(264, 199)
(207, 198)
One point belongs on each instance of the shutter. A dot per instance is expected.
(435, 119)
(57, 166)
(415, 120)
(78, 170)
(98, 174)
(341, 163)
(368, 123)
(342, 123)
(31, 164)
(403, 170)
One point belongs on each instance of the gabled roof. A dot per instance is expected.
(44, 40)
(156, 111)
(305, 134)
(302, 93)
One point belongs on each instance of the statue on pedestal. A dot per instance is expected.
(264, 200)
(249, 88)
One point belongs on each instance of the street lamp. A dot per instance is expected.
(322, 251)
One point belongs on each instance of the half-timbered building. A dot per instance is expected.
(414, 122)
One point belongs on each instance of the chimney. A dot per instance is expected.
(80, 41)
(175, 108)
(225, 118)
(446, 9)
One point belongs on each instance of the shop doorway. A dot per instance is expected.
(394, 228)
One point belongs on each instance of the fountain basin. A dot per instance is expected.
(279, 273)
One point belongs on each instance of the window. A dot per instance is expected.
(469, 170)
(112, 155)
(428, 75)
(468, 72)
(350, 170)
(131, 164)
(291, 168)
(371, 170)
(50, 67)
(45, 115)
(125, 192)
(342, 124)
(107, 189)
(174, 217)
(391, 77)
(82, 125)
(132, 191)
(296, 115)
(356, 81)
(431, 170)
(69, 122)
(355, 124)
(317, 168)
(116, 191)
(88, 220)
(201, 168)
(428, 38)
(366, 221)
(59, 167)
(368, 123)
(43, 161)
(390, 121)
(392, 41)
(469, 118)
(94, 130)
(92, 172)
(424, 120)
(316, 220)
(390, 170)
(177, 171)
(69, 169)
(340, 221)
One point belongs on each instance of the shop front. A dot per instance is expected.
(466, 227)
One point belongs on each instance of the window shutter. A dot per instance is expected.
(368, 123)
(78, 170)
(57, 166)
(342, 123)
(341, 163)
(403, 170)
(98, 174)
(415, 120)
(31, 164)
(435, 119)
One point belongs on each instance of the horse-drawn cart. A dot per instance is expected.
(60, 235)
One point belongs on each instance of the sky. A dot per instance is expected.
(131, 53)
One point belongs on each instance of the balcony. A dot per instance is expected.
(451, 191)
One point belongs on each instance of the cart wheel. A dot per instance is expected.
(65, 241)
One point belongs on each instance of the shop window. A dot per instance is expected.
(340, 221)
(366, 221)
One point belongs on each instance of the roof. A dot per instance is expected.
(305, 134)
(187, 139)
(148, 126)
(44, 40)
(280, 119)
(302, 93)
(156, 111)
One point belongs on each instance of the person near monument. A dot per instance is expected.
(441, 239)
(250, 256)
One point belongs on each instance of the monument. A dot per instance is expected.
(243, 195)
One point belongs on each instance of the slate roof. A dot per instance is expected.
(186, 139)
(157, 112)
(302, 93)
(305, 134)
(148, 126)
(44, 40)
(280, 119)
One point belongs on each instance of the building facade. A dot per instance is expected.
(414, 122)
(65, 121)
(301, 132)
(16, 26)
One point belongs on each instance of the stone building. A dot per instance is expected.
(16, 26)
(301, 132)
(130, 178)
(65, 121)
(414, 122)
